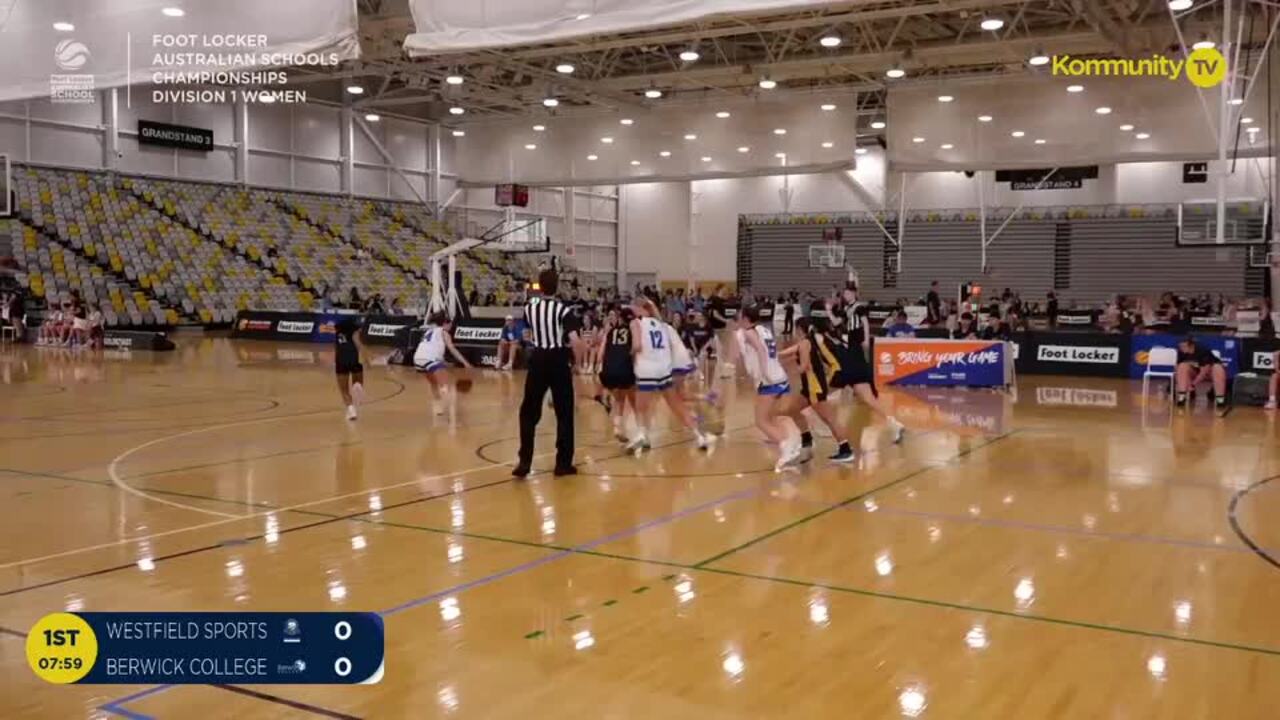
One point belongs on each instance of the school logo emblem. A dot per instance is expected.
(70, 86)
(71, 55)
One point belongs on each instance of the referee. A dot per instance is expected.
(552, 327)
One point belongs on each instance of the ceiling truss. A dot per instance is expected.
(933, 40)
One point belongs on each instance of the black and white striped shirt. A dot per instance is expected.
(549, 322)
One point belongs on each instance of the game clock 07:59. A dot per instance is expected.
(61, 648)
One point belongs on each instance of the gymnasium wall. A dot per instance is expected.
(679, 230)
(1082, 259)
(658, 233)
(289, 146)
(582, 222)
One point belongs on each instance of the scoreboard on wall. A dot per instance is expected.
(510, 194)
(128, 648)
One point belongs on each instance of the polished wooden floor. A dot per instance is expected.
(1064, 551)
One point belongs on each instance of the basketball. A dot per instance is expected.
(463, 384)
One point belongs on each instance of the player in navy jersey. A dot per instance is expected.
(348, 357)
(617, 371)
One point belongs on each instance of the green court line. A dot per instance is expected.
(609, 603)
(847, 501)
(852, 591)
(571, 618)
(532, 635)
(995, 611)
(640, 589)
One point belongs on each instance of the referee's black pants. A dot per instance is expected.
(548, 369)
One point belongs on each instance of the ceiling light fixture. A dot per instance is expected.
(947, 146)
(173, 12)
(1143, 136)
(1017, 133)
(1180, 5)
(767, 83)
(373, 117)
(1126, 127)
(895, 72)
(1075, 88)
(860, 151)
(780, 155)
(582, 16)
(64, 27)
(606, 140)
(635, 162)
(665, 153)
(743, 149)
(984, 118)
(626, 121)
(917, 139)
(530, 146)
(830, 41)
(945, 98)
(1204, 44)
(1237, 101)
(690, 136)
(783, 131)
(459, 133)
(1246, 121)
(1038, 57)
(457, 110)
(565, 68)
(653, 93)
(593, 157)
(706, 158)
(992, 24)
(877, 124)
(550, 102)
(539, 128)
(454, 79)
(828, 144)
(828, 107)
(690, 55)
(722, 114)
(355, 89)
(1039, 141)
(1104, 110)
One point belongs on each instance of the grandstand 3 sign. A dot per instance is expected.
(182, 137)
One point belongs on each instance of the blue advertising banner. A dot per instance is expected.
(1227, 349)
(335, 648)
(965, 363)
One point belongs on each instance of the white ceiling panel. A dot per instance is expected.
(459, 25)
(1169, 112)
(497, 152)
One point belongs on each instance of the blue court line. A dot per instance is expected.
(739, 495)
(115, 705)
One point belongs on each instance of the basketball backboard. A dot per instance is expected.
(1246, 222)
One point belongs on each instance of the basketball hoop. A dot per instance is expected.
(826, 256)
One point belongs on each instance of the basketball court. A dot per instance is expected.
(1060, 551)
